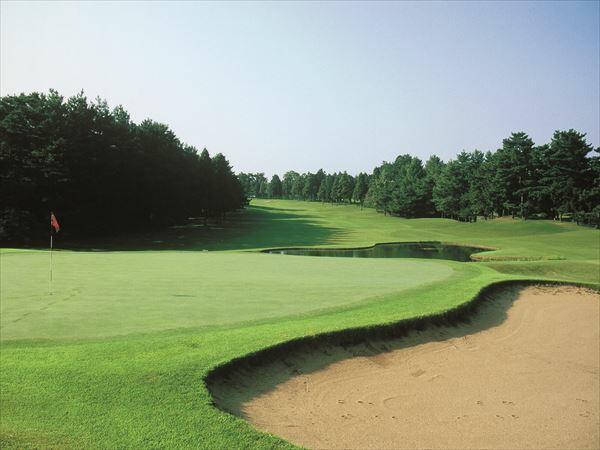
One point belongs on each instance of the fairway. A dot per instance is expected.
(123, 344)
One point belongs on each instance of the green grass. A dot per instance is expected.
(584, 271)
(116, 357)
(106, 294)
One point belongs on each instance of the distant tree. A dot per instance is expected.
(343, 187)
(275, 187)
(588, 210)
(380, 188)
(513, 180)
(309, 187)
(567, 172)
(254, 184)
(226, 185)
(325, 189)
(481, 170)
(334, 194)
(319, 178)
(289, 178)
(247, 182)
(205, 185)
(433, 170)
(263, 185)
(407, 193)
(360, 188)
(298, 187)
(451, 192)
(263, 189)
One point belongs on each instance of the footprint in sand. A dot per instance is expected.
(417, 373)
(506, 402)
(388, 400)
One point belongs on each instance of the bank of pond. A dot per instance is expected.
(428, 250)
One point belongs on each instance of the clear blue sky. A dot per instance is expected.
(343, 86)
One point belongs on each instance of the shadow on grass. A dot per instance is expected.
(253, 227)
(239, 381)
(275, 209)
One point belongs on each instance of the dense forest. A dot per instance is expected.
(557, 180)
(100, 172)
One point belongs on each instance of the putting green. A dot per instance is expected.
(114, 293)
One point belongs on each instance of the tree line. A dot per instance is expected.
(556, 180)
(100, 172)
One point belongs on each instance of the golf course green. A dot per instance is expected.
(117, 355)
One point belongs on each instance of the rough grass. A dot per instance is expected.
(110, 375)
(585, 271)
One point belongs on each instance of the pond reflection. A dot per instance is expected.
(432, 250)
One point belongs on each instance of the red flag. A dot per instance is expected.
(54, 223)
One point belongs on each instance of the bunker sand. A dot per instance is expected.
(523, 374)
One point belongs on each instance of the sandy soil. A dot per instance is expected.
(523, 374)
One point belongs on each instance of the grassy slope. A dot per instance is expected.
(145, 390)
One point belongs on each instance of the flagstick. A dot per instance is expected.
(50, 262)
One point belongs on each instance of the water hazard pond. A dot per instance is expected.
(432, 250)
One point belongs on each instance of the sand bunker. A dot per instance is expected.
(523, 374)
